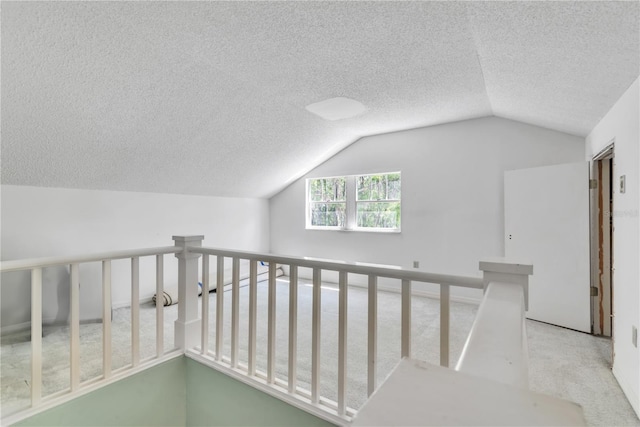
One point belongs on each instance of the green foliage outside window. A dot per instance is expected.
(378, 201)
(328, 189)
(327, 199)
(328, 215)
(378, 215)
(379, 187)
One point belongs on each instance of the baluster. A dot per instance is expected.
(253, 302)
(135, 311)
(106, 318)
(219, 307)
(36, 336)
(406, 318)
(293, 327)
(204, 345)
(315, 336)
(74, 328)
(444, 325)
(159, 305)
(271, 325)
(342, 342)
(373, 335)
(235, 311)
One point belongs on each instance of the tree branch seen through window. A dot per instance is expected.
(355, 202)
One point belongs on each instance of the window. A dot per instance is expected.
(327, 202)
(378, 201)
(355, 202)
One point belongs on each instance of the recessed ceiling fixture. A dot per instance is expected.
(337, 108)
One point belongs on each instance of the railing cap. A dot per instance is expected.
(188, 239)
(506, 265)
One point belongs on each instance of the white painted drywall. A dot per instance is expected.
(452, 195)
(622, 124)
(40, 222)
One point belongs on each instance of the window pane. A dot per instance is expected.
(378, 215)
(378, 187)
(393, 186)
(327, 189)
(328, 214)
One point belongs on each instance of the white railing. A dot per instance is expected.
(496, 347)
(491, 385)
(76, 387)
(310, 400)
(192, 324)
(502, 356)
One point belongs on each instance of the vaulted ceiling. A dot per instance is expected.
(209, 97)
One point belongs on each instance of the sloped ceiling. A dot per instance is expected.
(209, 97)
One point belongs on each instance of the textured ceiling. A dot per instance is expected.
(209, 97)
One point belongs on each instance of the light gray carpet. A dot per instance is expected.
(563, 363)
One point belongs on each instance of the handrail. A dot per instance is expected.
(491, 387)
(28, 264)
(77, 386)
(217, 357)
(388, 271)
(496, 347)
(192, 323)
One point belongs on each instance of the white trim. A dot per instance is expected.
(49, 322)
(352, 202)
(351, 205)
(307, 203)
(123, 304)
(18, 327)
(27, 264)
(386, 271)
(414, 292)
(376, 230)
(386, 288)
(608, 152)
(357, 229)
(422, 293)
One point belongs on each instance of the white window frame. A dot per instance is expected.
(308, 203)
(356, 201)
(351, 206)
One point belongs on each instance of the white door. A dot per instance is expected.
(547, 223)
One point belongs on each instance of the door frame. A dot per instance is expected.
(601, 219)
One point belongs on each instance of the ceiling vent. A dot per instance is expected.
(337, 108)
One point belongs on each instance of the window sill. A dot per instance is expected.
(358, 230)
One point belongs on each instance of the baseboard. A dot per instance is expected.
(421, 293)
(631, 396)
(386, 288)
(11, 329)
(25, 326)
(123, 304)
(261, 277)
(19, 327)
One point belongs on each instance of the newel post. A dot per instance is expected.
(507, 271)
(187, 327)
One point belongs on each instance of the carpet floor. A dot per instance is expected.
(563, 363)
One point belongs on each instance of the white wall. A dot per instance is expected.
(40, 222)
(622, 123)
(452, 194)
